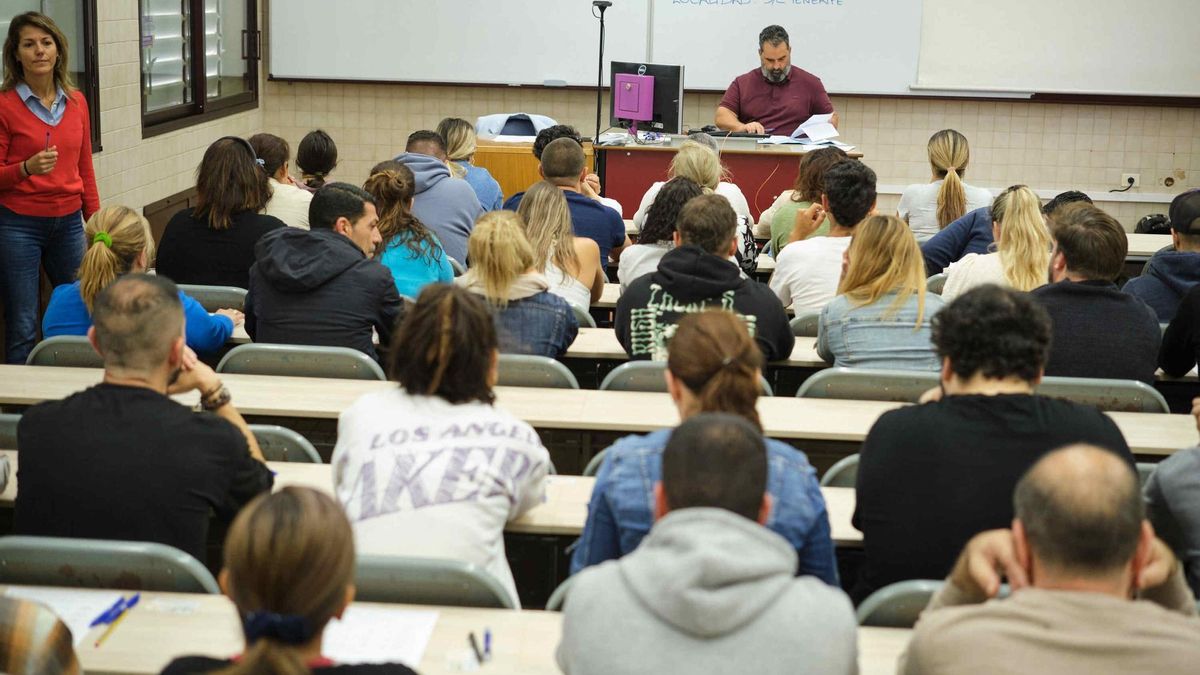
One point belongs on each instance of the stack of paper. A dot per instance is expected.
(378, 634)
(817, 130)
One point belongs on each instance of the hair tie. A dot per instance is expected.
(289, 629)
(261, 162)
(727, 361)
(102, 237)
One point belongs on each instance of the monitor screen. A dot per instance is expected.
(668, 95)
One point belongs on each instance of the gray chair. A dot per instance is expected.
(936, 283)
(212, 298)
(427, 581)
(280, 444)
(559, 597)
(842, 474)
(65, 351)
(458, 268)
(1144, 471)
(806, 324)
(8, 431)
(300, 361)
(525, 370)
(648, 376)
(584, 317)
(897, 605)
(594, 464)
(95, 563)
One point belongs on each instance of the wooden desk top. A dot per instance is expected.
(582, 410)
(1146, 245)
(601, 344)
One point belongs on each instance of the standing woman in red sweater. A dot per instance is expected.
(47, 185)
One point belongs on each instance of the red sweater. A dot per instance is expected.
(71, 186)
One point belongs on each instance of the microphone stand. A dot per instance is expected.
(601, 5)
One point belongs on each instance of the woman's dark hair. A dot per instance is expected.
(995, 332)
(317, 157)
(810, 181)
(229, 181)
(272, 150)
(393, 189)
(664, 212)
(714, 356)
(445, 346)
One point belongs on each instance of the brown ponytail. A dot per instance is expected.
(714, 356)
(392, 185)
(115, 236)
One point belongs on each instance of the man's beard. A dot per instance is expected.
(775, 76)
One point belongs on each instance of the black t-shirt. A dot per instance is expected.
(127, 463)
(1181, 342)
(932, 476)
(187, 665)
(191, 252)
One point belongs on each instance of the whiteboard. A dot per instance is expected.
(462, 41)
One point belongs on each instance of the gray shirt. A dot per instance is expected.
(1173, 506)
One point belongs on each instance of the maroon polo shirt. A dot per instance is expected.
(781, 107)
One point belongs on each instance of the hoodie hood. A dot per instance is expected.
(709, 571)
(1177, 270)
(427, 170)
(298, 261)
(691, 274)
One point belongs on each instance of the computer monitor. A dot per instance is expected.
(667, 116)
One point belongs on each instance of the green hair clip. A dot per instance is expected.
(102, 237)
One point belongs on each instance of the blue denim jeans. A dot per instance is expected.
(28, 243)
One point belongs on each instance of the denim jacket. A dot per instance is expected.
(859, 337)
(542, 324)
(621, 510)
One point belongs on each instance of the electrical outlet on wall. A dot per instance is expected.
(1135, 177)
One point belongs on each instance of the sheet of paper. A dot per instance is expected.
(778, 140)
(367, 634)
(817, 128)
(513, 139)
(76, 609)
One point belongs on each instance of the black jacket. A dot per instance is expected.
(318, 288)
(691, 280)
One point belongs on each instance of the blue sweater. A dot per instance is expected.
(67, 315)
(412, 273)
(491, 197)
(970, 234)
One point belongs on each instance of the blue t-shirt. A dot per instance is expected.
(412, 272)
(589, 218)
(491, 197)
(67, 315)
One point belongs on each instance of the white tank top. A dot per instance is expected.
(568, 287)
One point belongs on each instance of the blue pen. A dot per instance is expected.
(487, 644)
(109, 614)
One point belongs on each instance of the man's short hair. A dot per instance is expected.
(337, 200)
(1062, 199)
(550, 134)
(1081, 509)
(773, 35)
(850, 187)
(715, 460)
(995, 332)
(425, 137)
(707, 221)
(563, 160)
(1093, 243)
(137, 318)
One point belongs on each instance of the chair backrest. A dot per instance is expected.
(842, 474)
(65, 351)
(897, 605)
(280, 444)
(95, 563)
(526, 370)
(1108, 395)
(1144, 471)
(8, 430)
(648, 376)
(427, 581)
(584, 317)
(806, 324)
(212, 298)
(458, 268)
(936, 283)
(559, 597)
(300, 361)
(593, 465)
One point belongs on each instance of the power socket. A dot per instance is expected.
(1135, 177)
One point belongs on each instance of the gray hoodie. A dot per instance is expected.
(447, 206)
(707, 591)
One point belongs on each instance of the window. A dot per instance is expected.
(187, 80)
(77, 19)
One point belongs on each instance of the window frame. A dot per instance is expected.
(201, 109)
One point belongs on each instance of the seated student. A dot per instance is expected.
(702, 165)
(530, 319)
(973, 233)
(288, 202)
(807, 274)
(322, 287)
(316, 157)
(34, 641)
(563, 164)
(1172, 273)
(121, 460)
(119, 242)
(212, 243)
(930, 207)
(1173, 505)
(448, 206)
(932, 476)
(468, 466)
(781, 215)
(713, 366)
(408, 249)
(709, 589)
(657, 234)
(289, 570)
(588, 187)
(1180, 349)
(1093, 590)
(694, 276)
(881, 316)
(459, 135)
(1098, 330)
(1021, 252)
(571, 264)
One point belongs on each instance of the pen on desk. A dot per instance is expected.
(128, 605)
(475, 647)
(109, 614)
(487, 644)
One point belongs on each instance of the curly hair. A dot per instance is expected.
(995, 332)
(810, 180)
(664, 212)
(850, 187)
(392, 185)
(550, 134)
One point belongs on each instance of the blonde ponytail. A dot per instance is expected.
(1024, 241)
(115, 236)
(949, 155)
(499, 254)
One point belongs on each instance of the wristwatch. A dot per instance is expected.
(219, 396)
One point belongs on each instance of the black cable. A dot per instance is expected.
(1127, 188)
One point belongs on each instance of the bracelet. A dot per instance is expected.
(216, 398)
(25, 166)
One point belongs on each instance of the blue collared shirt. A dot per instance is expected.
(52, 116)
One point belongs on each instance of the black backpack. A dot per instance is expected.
(1155, 223)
